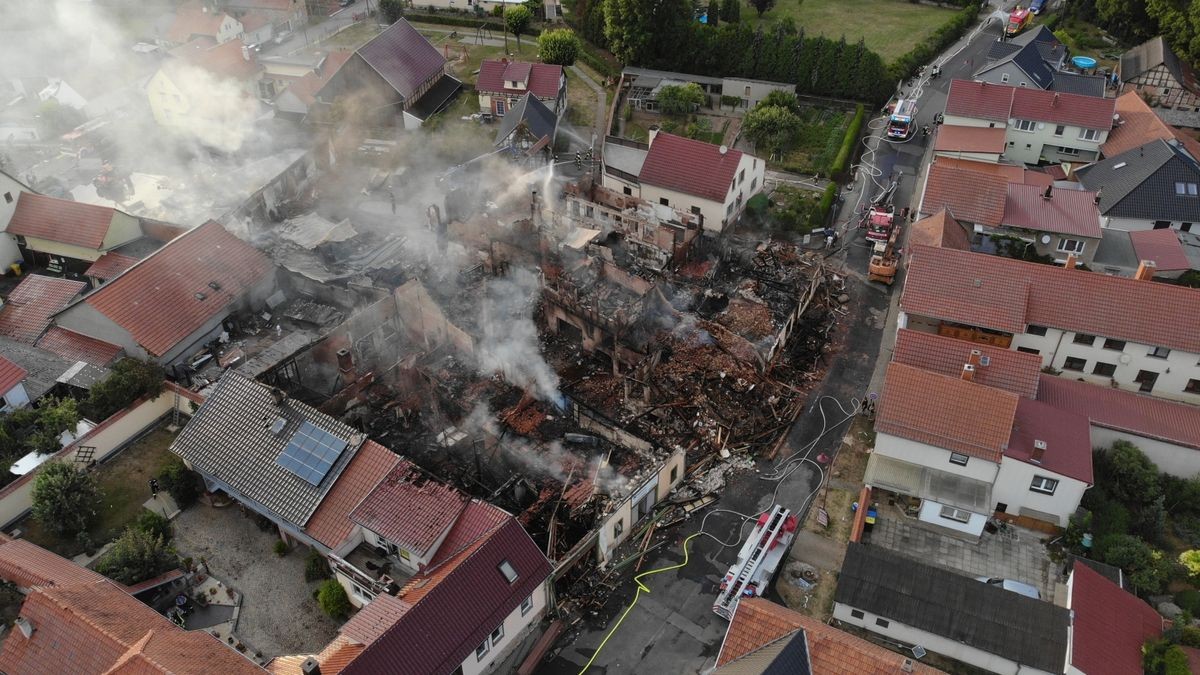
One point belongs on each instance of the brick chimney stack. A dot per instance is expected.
(975, 357)
(1070, 264)
(968, 373)
(1039, 451)
(1145, 270)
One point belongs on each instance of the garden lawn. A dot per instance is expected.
(353, 37)
(124, 484)
(890, 27)
(468, 70)
(819, 141)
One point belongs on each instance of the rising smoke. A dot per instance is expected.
(510, 337)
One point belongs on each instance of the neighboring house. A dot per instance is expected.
(10, 190)
(397, 77)
(282, 14)
(752, 92)
(73, 620)
(1026, 67)
(980, 144)
(256, 28)
(527, 132)
(1152, 186)
(1121, 253)
(77, 347)
(1137, 125)
(169, 305)
(764, 638)
(192, 22)
(981, 625)
(1051, 50)
(940, 229)
(1040, 126)
(1154, 70)
(181, 99)
(1127, 333)
(12, 386)
(1109, 625)
(300, 94)
(27, 310)
(688, 175)
(108, 267)
(49, 373)
(501, 84)
(68, 236)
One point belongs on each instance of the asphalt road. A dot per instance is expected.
(672, 629)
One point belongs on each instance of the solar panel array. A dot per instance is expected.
(311, 453)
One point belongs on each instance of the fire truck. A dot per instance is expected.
(1018, 20)
(902, 119)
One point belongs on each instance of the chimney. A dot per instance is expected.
(311, 666)
(1145, 270)
(245, 52)
(1049, 193)
(1055, 103)
(278, 395)
(1070, 264)
(1039, 451)
(24, 626)
(345, 362)
(1097, 197)
(973, 359)
(968, 373)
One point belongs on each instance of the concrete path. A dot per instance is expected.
(600, 122)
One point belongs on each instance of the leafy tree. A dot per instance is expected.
(1131, 477)
(680, 99)
(1147, 569)
(517, 21)
(64, 498)
(1161, 657)
(782, 99)
(640, 30)
(560, 47)
(184, 485)
(315, 567)
(332, 599)
(136, 556)
(129, 380)
(762, 6)
(771, 128)
(713, 14)
(154, 524)
(731, 11)
(392, 10)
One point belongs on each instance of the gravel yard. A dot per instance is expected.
(278, 614)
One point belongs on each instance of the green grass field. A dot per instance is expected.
(890, 27)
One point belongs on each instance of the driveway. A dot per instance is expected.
(278, 613)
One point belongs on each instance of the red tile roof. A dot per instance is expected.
(61, 220)
(10, 375)
(459, 604)
(969, 196)
(1161, 246)
(1175, 423)
(189, 23)
(156, 299)
(305, 89)
(689, 166)
(410, 509)
(1009, 172)
(1110, 625)
(1067, 436)
(1193, 656)
(27, 310)
(330, 523)
(1138, 125)
(224, 60)
(972, 419)
(109, 265)
(373, 620)
(476, 520)
(543, 78)
(1007, 369)
(758, 622)
(74, 346)
(24, 565)
(940, 229)
(1072, 212)
(956, 138)
(1000, 102)
(1007, 295)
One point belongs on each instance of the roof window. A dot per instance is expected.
(507, 570)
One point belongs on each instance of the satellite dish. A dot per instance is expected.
(1045, 239)
(724, 149)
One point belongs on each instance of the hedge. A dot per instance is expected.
(595, 61)
(943, 37)
(819, 215)
(452, 20)
(847, 149)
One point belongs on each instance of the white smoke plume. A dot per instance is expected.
(510, 337)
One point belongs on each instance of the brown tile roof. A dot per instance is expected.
(1009, 172)
(1161, 246)
(1072, 212)
(10, 375)
(109, 265)
(1067, 436)
(1001, 102)
(1007, 369)
(156, 300)
(947, 412)
(476, 520)
(758, 622)
(1110, 625)
(373, 620)
(543, 78)
(25, 565)
(61, 220)
(690, 166)
(74, 346)
(1138, 125)
(1007, 295)
(27, 310)
(305, 89)
(190, 22)
(410, 509)
(969, 196)
(956, 138)
(403, 58)
(333, 658)
(1168, 421)
(224, 60)
(940, 229)
(330, 523)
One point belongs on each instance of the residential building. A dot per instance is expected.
(1109, 625)
(181, 99)
(199, 22)
(396, 78)
(73, 620)
(689, 175)
(1173, 252)
(1153, 69)
(1127, 333)
(1152, 186)
(10, 190)
(169, 305)
(12, 386)
(980, 144)
(644, 85)
(281, 14)
(298, 94)
(256, 29)
(979, 624)
(1137, 125)
(26, 312)
(75, 347)
(501, 84)
(752, 92)
(1040, 126)
(764, 638)
(65, 235)
(939, 229)
(48, 373)
(1051, 50)
(527, 132)
(1039, 64)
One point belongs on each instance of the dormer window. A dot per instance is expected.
(507, 570)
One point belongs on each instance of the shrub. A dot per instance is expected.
(136, 556)
(1189, 600)
(451, 20)
(315, 567)
(154, 524)
(1148, 569)
(129, 380)
(332, 599)
(559, 47)
(392, 10)
(64, 499)
(184, 485)
(819, 216)
(844, 153)
(280, 548)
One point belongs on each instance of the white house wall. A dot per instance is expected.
(1012, 488)
(933, 457)
(515, 627)
(931, 512)
(1177, 460)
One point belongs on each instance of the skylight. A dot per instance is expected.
(507, 570)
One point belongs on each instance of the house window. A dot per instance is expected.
(696, 210)
(1002, 507)
(1070, 245)
(1162, 224)
(1073, 363)
(1059, 129)
(628, 190)
(507, 570)
(729, 209)
(499, 108)
(674, 473)
(527, 604)
(1084, 339)
(482, 650)
(1029, 350)
(882, 623)
(1115, 345)
(1146, 380)
(959, 458)
(403, 553)
(1104, 369)
(361, 593)
(741, 176)
(1004, 78)
(857, 614)
(8, 198)
(1188, 189)
(1089, 134)
(1064, 150)
(1036, 330)
(957, 515)
(1044, 485)
(747, 92)
(664, 201)
(618, 528)
(1026, 125)
(1159, 352)
(1192, 387)
(497, 635)
(753, 184)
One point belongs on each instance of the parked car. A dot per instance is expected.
(1014, 586)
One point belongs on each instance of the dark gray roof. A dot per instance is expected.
(1001, 50)
(1149, 55)
(1030, 61)
(1042, 39)
(1000, 622)
(230, 439)
(43, 367)
(403, 57)
(1140, 183)
(437, 98)
(1115, 250)
(1113, 574)
(1075, 83)
(787, 655)
(538, 119)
